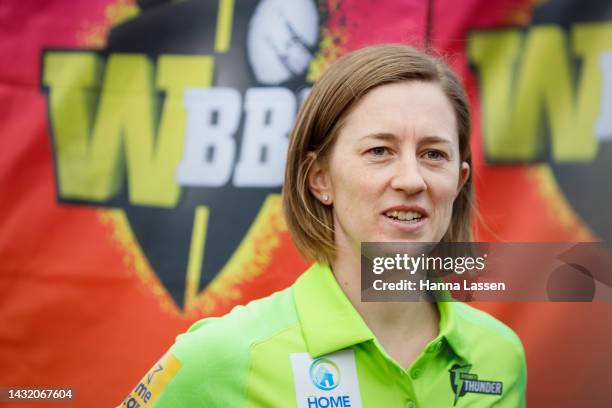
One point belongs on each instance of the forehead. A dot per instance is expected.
(410, 108)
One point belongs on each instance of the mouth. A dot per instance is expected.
(405, 216)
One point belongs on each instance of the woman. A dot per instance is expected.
(380, 152)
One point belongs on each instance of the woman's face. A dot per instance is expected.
(394, 170)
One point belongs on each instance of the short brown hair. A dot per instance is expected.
(319, 121)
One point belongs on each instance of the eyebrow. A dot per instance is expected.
(391, 136)
(435, 139)
(379, 136)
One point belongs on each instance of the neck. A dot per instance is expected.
(391, 322)
(383, 315)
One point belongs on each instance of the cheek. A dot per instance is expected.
(443, 190)
(349, 182)
(355, 193)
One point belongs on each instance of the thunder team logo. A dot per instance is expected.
(181, 123)
(462, 382)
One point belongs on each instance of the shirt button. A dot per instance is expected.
(410, 404)
(415, 373)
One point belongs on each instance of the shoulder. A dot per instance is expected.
(229, 337)
(492, 343)
(481, 325)
(495, 352)
(214, 353)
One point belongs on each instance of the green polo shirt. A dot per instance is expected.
(307, 346)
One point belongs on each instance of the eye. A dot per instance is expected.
(378, 151)
(435, 155)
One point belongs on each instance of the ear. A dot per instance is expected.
(464, 174)
(319, 182)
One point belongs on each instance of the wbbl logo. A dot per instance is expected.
(547, 100)
(182, 122)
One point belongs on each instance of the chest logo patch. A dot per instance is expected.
(327, 381)
(462, 382)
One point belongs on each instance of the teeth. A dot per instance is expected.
(403, 215)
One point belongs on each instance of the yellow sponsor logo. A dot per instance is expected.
(153, 383)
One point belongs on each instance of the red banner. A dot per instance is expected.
(117, 231)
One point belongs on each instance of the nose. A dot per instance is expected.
(408, 176)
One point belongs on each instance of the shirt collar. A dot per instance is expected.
(452, 329)
(330, 322)
(328, 319)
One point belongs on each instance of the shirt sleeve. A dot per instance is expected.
(515, 391)
(179, 379)
(206, 367)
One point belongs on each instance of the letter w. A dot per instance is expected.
(97, 130)
(524, 76)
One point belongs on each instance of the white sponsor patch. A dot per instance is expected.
(326, 382)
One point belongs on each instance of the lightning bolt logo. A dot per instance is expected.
(457, 379)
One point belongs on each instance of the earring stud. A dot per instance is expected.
(325, 197)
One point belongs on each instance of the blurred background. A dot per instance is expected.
(142, 147)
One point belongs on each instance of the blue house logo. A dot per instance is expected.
(324, 374)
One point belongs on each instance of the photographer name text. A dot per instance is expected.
(427, 285)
